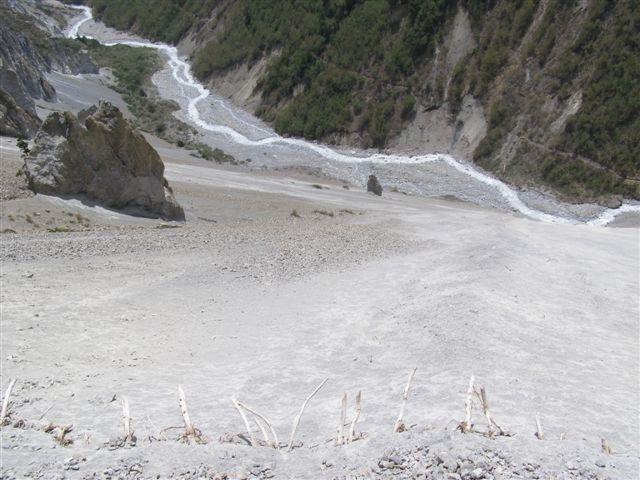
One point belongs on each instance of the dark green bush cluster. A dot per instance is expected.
(133, 68)
(358, 66)
(499, 115)
(578, 179)
(323, 109)
(607, 126)
(338, 56)
(544, 38)
(166, 20)
(214, 154)
(508, 22)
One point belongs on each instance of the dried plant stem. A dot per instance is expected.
(343, 418)
(356, 416)
(399, 425)
(252, 437)
(465, 426)
(59, 433)
(275, 443)
(62, 432)
(296, 421)
(494, 428)
(189, 429)
(5, 403)
(126, 419)
(265, 435)
(45, 412)
(539, 432)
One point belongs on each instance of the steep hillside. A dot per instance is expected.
(30, 46)
(544, 93)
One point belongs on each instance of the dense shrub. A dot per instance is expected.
(607, 126)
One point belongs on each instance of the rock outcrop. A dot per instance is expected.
(99, 155)
(373, 185)
(28, 50)
(15, 121)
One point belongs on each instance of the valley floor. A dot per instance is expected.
(247, 300)
(282, 277)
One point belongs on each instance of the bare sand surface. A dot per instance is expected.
(282, 278)
(246, 300)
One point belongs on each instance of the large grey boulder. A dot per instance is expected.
(99, 155)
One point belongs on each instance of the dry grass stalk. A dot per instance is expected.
(5, 403)
(399, 425)
(262, 428)
(274, 443)
(352, 428)
(252, 437)
(296, 421)
(494, 428)
(45, 412)
(605, 447)
(466, 426)
(190, 432)
(539, 432)
(126, 419)
(343, 418)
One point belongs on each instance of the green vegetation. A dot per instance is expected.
(578, 179)
(22, 145)
(363, 67)
(607, 127)
(336, 59)
(133, 68)
(215, 154)
(166, 20)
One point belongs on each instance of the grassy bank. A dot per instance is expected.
(133, 68)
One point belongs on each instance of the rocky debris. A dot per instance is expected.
(15, 121)
(481, 463)
(73, 463)
(287, 249)
(126, 469)
(373, 185)
(99, 155)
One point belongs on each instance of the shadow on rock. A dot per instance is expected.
(98, 156)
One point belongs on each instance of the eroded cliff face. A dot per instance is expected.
(15, 121)
(31, 45)
(435, 126)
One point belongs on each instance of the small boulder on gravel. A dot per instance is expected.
(99, 155)
(373, 185)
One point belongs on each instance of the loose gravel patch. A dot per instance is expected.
(275, 248)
